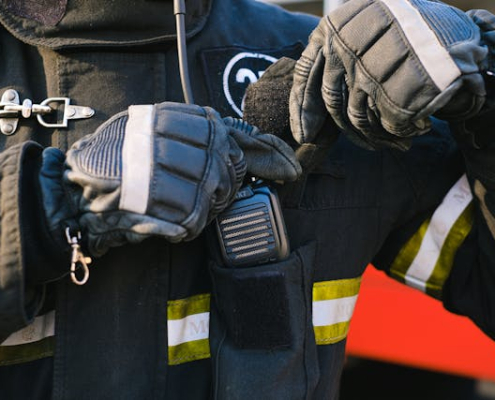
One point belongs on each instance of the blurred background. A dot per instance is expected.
(403, 345)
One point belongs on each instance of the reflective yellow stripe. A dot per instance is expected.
(22, 353)
(336, 289)
(456, 236)
(30, 343)
(188, 329)
(331, 334)
(427, 258)
(333, 306)
(189, 351)
(408, 253)
(188, 319)
(178, 309)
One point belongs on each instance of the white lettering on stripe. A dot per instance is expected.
(188, 329)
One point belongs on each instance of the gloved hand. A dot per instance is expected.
(163, 170)
(381, 68)
(477, 131)
(486, 22)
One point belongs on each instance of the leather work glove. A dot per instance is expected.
(165, 169)
(486, 22)
(477, 131)
(381, 68)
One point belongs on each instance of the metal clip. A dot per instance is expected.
(70, 112)
(11, 110)
(77, 258)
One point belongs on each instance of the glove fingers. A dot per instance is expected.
(306, 106)
(486, 21)
(235, 167)
(238, 160)
(366, 129)
(334, 91)
(357, 111)
(266, 155)
(357, 125)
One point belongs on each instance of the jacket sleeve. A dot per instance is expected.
(24, 244)
(470, 288)
(445, 246)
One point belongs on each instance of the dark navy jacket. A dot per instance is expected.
(160, 320)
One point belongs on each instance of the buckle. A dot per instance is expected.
(11, 110)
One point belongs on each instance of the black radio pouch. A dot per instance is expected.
(261, 333)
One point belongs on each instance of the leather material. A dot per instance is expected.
(183, 196)
(121, 312)
(380, 85)
(197, 162)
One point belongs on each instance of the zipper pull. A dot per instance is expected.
(78, 260)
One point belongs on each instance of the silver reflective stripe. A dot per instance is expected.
(437, 61)
(41, 328)
(329, 312)
(188, 323)
(333, 306)
(137, 159)
(440, 226)
(188, 319)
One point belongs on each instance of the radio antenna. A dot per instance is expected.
(180, 21)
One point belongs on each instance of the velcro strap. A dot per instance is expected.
(255, 307)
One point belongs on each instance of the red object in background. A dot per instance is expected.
(397, 324)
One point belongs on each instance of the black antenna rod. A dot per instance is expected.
(180, 14)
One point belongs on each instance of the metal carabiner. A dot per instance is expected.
(78, 260)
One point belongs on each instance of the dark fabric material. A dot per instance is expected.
(267, 101)
(465, 293)
(266, 105)
(48, 212)
(31, 380)
(100, 23)
(130, 286)
(111, 334)
(46, 12)
(230, 69)
(19, 304)
(247, 368)
(254, 305)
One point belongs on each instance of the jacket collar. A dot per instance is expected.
(102, 23)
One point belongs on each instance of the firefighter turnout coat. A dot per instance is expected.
(162, 321)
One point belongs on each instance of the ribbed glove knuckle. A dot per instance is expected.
(99, 155)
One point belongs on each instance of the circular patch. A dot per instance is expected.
(242, 70)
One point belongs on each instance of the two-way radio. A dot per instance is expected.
(251, 231)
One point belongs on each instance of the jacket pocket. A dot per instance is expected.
(262, 341)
